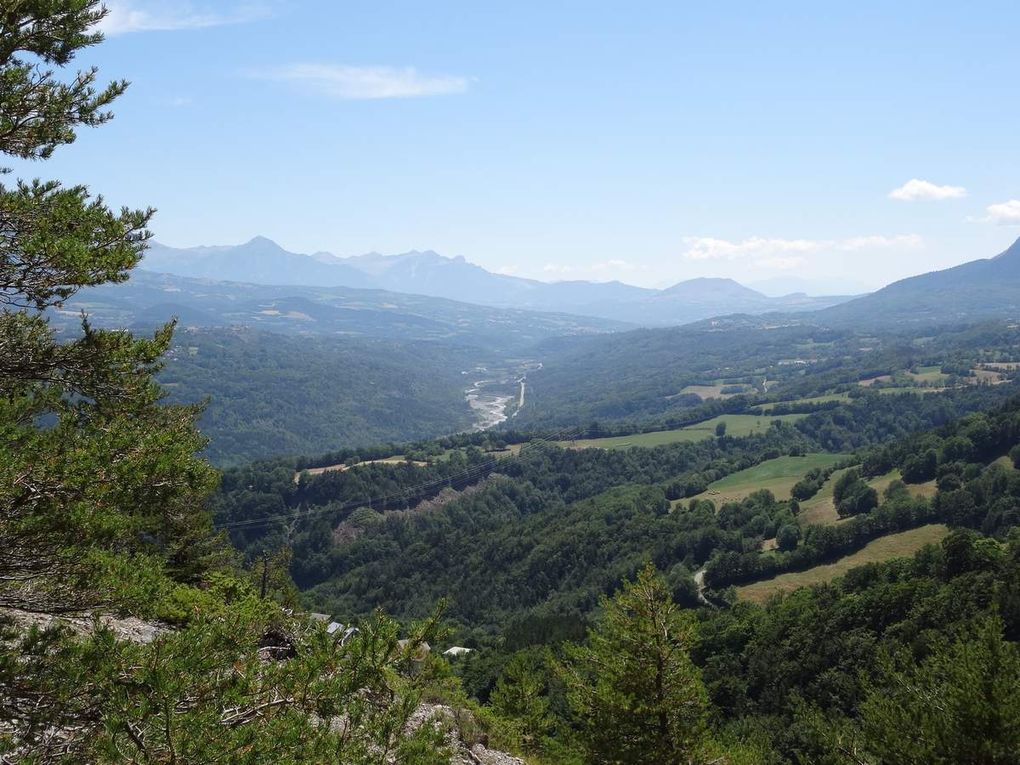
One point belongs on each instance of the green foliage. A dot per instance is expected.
(788, 536)
(920, 467)
(852, 494)
(90, 461)
(638, 697)
(40, 112)
(812, 483)
(236, 688)
(800, 669)
(520, 698)
(961, 704)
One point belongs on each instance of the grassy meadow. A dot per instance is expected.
(736, 425)
(777, 475)
(885, 548)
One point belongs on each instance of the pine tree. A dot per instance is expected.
(520, 698)
(91, 463)
(633, 687)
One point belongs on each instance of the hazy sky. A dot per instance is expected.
(849, 143)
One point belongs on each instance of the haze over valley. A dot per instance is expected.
(261, 261)
(456, 364)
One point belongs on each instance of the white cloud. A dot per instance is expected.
(126, 16)
(788, 253)
(366, 82)
(916, 189)
(1002, 214)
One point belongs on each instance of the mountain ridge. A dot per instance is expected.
(973, 290)
(426, 272)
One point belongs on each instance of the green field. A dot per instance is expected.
(778, 476)
(821, 508)
(765, 408)
(885, 548)
(736, 425)
(929, 375)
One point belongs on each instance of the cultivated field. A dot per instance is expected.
(908, 389)
(990, 376)
(736, 425)
(885, 548)
(778, 476)
(1001, 366)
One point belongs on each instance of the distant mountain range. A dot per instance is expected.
(980, 289)
(150, 299)
(262, 261)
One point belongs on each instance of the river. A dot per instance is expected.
(498, 393)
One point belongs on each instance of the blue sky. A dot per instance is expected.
(644, 141)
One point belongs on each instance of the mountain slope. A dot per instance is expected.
(979, 289)
(261, 261)
(270, 394)
(149, 299)
(257, 261)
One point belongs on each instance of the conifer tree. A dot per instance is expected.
(637, 694)
(91, 463)
(520, 697)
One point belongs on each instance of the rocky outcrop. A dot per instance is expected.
(458, 725)
(128, 628)
(463, 734)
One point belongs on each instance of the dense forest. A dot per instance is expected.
(529, 551)
(549, 528)
(271, 394)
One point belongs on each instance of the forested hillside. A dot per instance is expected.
(981, 288)
(524, 542)
(661, 373)
(271, 394)
(549, 529)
